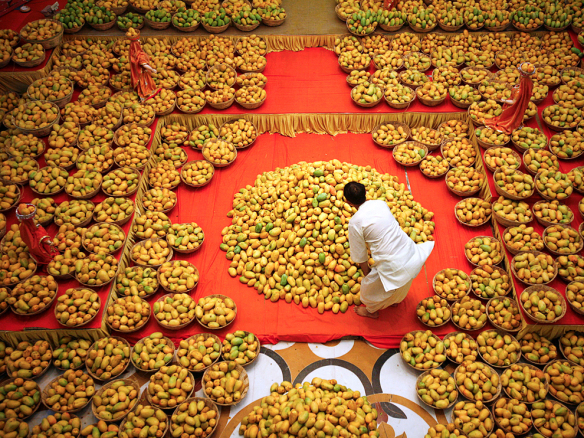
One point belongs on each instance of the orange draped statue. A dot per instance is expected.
(140, 68)
(514, 110)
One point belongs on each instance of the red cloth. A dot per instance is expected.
(512, 116)
(141, 79)
(35, 237)
(209, 205)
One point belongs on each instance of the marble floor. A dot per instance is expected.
(379, 374)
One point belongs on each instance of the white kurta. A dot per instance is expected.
(398, 260)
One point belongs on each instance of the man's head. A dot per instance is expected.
(355, 193)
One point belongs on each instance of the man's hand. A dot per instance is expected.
(150, 69)
(365, 268)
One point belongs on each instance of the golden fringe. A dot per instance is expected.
(19, 81)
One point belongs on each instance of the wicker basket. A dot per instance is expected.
(251, 106)
(45, 396)
(509, 248)
(273, 23)
(38, 312)
(497, 28)
(428, 325)
(119, 10)
(537, 288)
(156, 25)
(347, 69)
(459, 104)
(244, 389)
(139, 168)
(474, 84)
(14, 204)
(104, 26)
(513, 339)
(579, 311)
(96, 377)
(472, 329)
(163, 408)
(343, 19)
(246, 28)
(535, 253)
(49, 43)
(580, 335)
(216, 29)
(418, 380)
(502, 192)
(171, 292)
(168, 111)
(430, 102)
(88, 195)
(173, 328)
(75, 29)
(557, 128)
(214, 140)
(580, 246)
(140, 10)
(546, 197)
(195, 185)
(29, 64)
(366, 105)
(409, 364)
(205, 336)
(545, 223)
(44, 131)
(576, 69)
(404, 126)
(520, 29)
(499, 387)
(37, 405)
(491, 239)
(498, 327)
(459, 193)
(94, 285)
(515, 155)
(454, 334)
(186, 29)
(258, 70)
(169, 343)
(125, 29)
(387, 28)
(223, 297)
(110, 225)
(417, 163)
(400, 105)
(421, 29)
(165, 431)
(486, 145)
(221, 105)
(132, 383)
(448, 28)
(146, 265)
(226, 358)
(464, 223)
(235, 119)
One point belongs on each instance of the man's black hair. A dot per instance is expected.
(355, 193)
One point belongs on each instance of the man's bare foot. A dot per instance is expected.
(362, 311)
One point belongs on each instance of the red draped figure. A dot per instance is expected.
(514, 110)
(140, 67)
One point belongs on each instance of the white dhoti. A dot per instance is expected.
(374, 295)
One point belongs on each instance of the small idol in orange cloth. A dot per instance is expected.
(140, 68)
(512, 116)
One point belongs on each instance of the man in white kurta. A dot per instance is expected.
(398, 260)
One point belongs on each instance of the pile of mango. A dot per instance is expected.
(315, 270)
